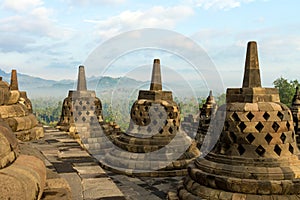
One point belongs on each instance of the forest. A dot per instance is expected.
(48, 110)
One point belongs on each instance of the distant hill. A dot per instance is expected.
(121, 87)
(38, 87)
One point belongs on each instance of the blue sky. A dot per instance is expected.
(51, 38)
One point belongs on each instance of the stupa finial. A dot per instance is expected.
(14, 80)
(81, 82)
(252, 72)
(156, 76)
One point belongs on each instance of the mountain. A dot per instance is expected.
(105, 87)
(38, 87)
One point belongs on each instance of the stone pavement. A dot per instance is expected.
(88, 180)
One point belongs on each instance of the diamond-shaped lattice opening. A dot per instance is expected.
(250, 116)
(291, 149)
(277, 150)
(226, 126)
(160, 115)
(171, 130)
(92, 107)
(233, 137)
(161, 131)
(83, 119)
(260, 150)
(235, 117)
(280, 115)
(154, 122)
(76, 119)
(170, 115)
(141, 114)
(87, 113)
(146, 108)
(250, 138)
(288, 125)
(144, 121)
(268, 138)
(87, 102)
(79, 113)
(283, 137)
(174, 122)
(259, 126)
(266, 116)
(241, 149)
(92, 118)
(80, 103)
(242, 126)
(149, 129)
(275, 126)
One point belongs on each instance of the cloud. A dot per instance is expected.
(155, 17)
(94, 2)
(18, 5)
(29, 24)
(219, 4)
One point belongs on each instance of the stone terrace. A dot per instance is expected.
(86, 179)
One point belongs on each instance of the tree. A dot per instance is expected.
(221, 99)
(286, 89)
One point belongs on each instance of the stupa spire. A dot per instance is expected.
(81, 82)
(14, 80)
(156, 76)
(210, 99)
(296, 98)
(252, 72)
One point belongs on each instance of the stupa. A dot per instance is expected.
(80, 106)
(207, 113)
(153, 145)
(82, 118)
(21, 176)
(256, 156)
(16, 110)
(295, 108)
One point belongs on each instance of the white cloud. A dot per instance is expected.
(155, 17)
(23, 5)
(219, 4)
(30, 23)
(93, 2)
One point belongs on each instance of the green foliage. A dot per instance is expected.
(286, 89)
(47, 110)
(221, 99)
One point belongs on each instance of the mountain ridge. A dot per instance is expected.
(37, 87)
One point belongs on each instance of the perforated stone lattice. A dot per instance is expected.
(83, 112)
(140, 116)
(270, 132)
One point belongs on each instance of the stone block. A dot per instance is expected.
(24, 179)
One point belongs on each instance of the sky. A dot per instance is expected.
(50, 39)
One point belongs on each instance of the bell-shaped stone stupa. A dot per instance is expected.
(16, 110)
(256, 156)
(153, 144)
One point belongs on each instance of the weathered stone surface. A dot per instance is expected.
(24, 179)
(207, 113)
(16, 110)
(256, 156)
(9, 149)
(80, 107)
(14, 80)
(295, 108)
(153, 144)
